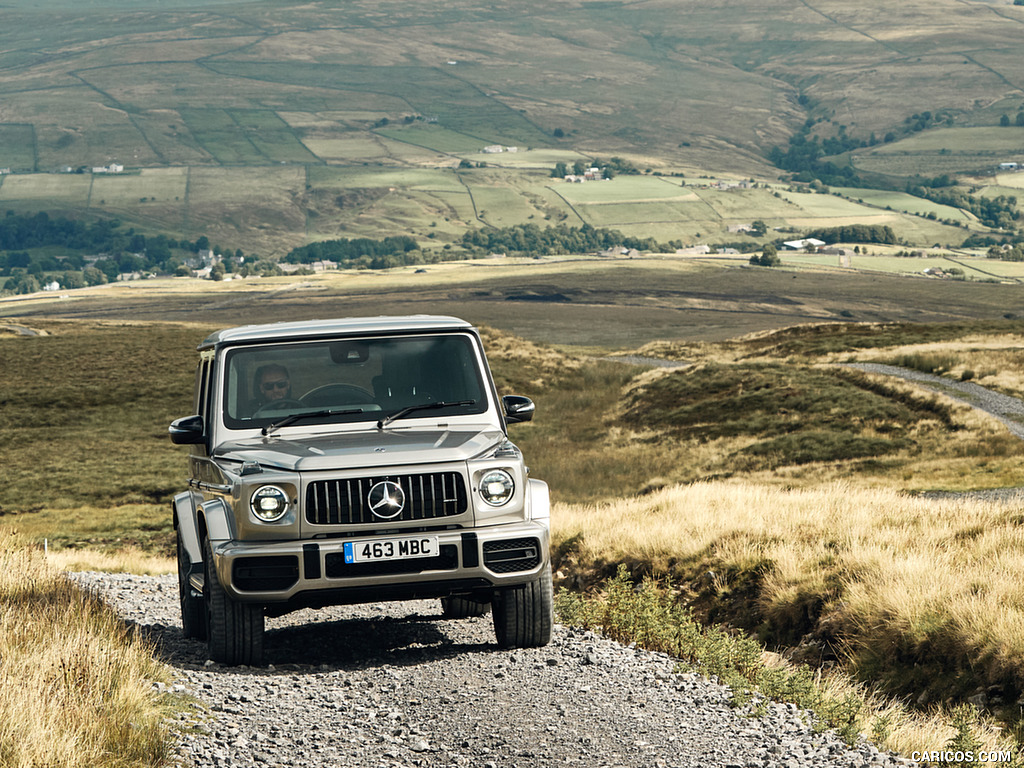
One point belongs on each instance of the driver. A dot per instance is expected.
(272, 383)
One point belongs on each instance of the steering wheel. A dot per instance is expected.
(336, 394)
(276, 405)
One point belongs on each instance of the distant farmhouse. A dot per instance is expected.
(799, 245)
(112, 168)
(591, 174)
(1009, 166)
(744, 184)
(494, 149)
(315, 266)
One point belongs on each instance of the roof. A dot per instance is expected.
(318, 329)
(803, 243)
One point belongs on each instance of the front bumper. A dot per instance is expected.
(313, 572)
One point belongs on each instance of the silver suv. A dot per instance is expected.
(350, 461)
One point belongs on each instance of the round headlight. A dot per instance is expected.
(497, 487)
(269, 503)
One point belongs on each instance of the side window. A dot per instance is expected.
(199, 397)
(203, 385)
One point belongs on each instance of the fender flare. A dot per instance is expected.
(219, 521)
(540, 500)
(186, 523)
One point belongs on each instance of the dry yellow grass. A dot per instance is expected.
(876, 573)
(75, 686)
(129, 560)
(885, 568)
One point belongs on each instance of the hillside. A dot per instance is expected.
(250, 83)
(263, 124)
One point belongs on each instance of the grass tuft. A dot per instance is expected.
(926, 363)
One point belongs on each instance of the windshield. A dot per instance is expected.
(351, 380)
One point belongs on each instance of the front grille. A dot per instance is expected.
(337, 568)
(512, 555)
(270, 573)
(345, 502)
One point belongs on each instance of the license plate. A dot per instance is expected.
(373, 550)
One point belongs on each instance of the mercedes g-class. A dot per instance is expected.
(355, 460)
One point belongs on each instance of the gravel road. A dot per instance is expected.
(394, 686)
(1009, 410)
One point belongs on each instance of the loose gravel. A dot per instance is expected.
(1009, 410)
(395, 686)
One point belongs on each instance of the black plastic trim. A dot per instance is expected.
(311, 561)
(470, 551)
(265, 573)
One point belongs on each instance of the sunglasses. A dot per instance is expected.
(269, 385)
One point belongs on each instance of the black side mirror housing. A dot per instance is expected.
(517, 408)
(187, 431)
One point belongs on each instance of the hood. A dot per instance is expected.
(369, 448)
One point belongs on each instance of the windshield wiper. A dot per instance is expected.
(424, 407)
(307, 415)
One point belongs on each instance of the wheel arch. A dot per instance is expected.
(187, 526)
(539, 499)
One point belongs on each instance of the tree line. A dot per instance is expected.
(365, 252)
(856, 233)
(998, 212)
(531, 239)
(1007, 252)
(609, 168)
(95, 252)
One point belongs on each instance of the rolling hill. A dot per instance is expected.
(248, 120)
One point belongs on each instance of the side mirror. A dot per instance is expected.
(518, 408)
(187, 431)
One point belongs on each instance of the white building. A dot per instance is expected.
(807, 242)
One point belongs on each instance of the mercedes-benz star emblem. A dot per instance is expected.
(386, 500)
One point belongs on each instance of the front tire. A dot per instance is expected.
(234, 629)
(524, 614)
(193, 611)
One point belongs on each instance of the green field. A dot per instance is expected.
(63, 191)
(437, 138)
(973, 267)
(268, 209)
(945, 150)
(900, 201)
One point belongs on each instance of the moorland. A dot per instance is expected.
(803, 486)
